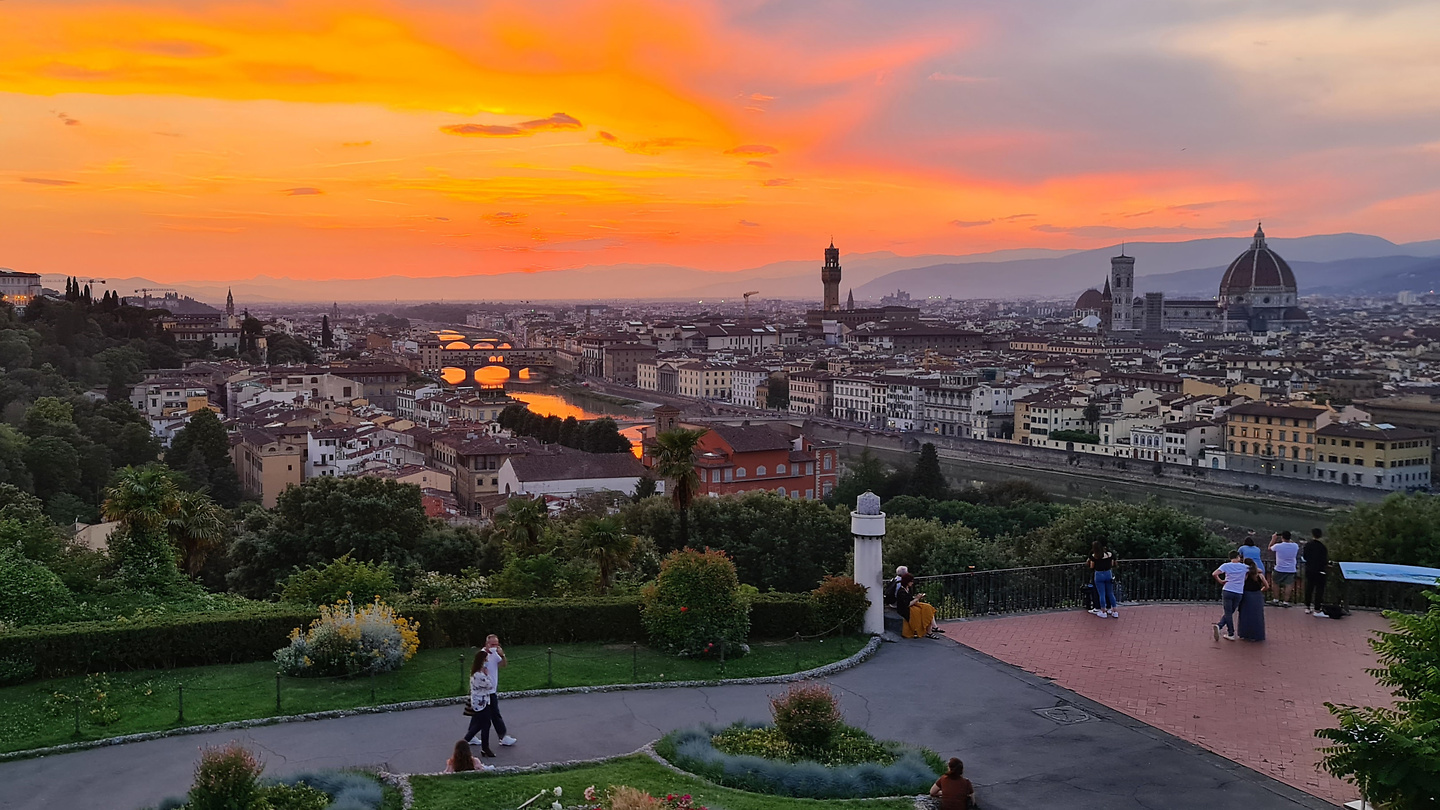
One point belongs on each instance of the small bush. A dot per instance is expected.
(95, 697)
(346, 790)
(16, 670)
(431, 588)
(807, 716)
(227, 778)
(346, 640)
(840, 604)
(848, 746)
(30, 593)
(912, 771)
(338, 579)
(295, 797)
(694, 606)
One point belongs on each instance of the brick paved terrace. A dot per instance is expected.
(1256, 703)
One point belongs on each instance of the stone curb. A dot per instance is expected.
(819, 672)
(401, 781)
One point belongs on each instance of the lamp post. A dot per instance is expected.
(867, 526)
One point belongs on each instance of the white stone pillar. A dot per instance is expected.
(867, 526)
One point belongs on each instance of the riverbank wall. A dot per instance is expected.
(1227, 483)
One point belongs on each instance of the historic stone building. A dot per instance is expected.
(1257, 294)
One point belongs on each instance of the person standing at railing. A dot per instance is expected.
(1286, 553)
(1317, 560)
(1231, 576)
(1102, 562)
(1250, 550)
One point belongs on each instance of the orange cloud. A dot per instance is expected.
(750, 149)
(556, 121)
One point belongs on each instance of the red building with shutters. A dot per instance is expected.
(754, 458)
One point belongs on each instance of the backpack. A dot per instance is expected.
(1334, 611)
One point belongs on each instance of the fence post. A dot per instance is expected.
(181, 718)
(464, 676)
(797, 650)
(634, 662)
(372, 689)
(722, 658)
(77, 717)
(277, 693)
(549, 667)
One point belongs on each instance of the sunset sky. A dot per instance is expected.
(212, 140)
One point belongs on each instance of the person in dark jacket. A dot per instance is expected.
(1317, 560)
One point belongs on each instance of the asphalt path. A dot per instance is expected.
(935, 693)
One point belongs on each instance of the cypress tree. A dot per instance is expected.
(927, 481)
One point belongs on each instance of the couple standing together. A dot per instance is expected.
(483, 708)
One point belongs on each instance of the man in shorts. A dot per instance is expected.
(1286, 552)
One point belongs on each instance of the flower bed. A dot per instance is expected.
(757, 758)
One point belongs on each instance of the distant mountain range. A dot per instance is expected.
(1333, 263)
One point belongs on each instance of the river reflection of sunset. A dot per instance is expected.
(556, 405)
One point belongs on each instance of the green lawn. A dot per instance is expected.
(501, 792)
(30, 717)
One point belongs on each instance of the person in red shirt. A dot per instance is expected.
(952, 789)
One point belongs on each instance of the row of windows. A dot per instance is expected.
(1359, 479)
(1281, 451)
(1270, 420)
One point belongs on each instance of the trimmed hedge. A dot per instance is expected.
(199, 639)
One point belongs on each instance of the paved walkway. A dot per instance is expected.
(934, 693)
(1255, 703)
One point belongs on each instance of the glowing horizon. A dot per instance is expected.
(223, 139)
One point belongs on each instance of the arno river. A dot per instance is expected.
(1264, 516)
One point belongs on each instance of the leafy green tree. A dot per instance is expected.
(25, 527)
(142, 500)
(1402, 529)
(54, 465)
(522, 524)
(373, 519)
(197, 526)
(341, 578)
(1393, 755)
(777, 396)
(30, 593)
(694, 606)
(1092, 415)
(644, 488)
(606, 542)
(865, 474)
(12, 459)
(1132, 531)
(201, 450)
(927, 481)
(675, 462)
(929, 547)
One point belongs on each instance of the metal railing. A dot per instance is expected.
(1170, 579)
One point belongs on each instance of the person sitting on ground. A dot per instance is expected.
(952, 789)
(462, 760)
(919, 616)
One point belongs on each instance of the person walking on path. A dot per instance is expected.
(1231, 576)
(1102, 562)
(1317, 560)
(1252, 604)
(494, 660)
(479, 706)
(1286, 553)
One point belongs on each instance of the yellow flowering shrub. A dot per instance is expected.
(351, 639)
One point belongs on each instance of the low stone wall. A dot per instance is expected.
(1230, 483)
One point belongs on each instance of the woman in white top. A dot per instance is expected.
(479, 706)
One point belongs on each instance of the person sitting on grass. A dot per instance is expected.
(462, 760)
(919, 617)
(952, 789)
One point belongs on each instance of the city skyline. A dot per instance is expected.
(219, 140)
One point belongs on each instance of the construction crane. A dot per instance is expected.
(747, 300)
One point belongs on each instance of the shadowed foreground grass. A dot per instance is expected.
(468, 792)
(150, 700)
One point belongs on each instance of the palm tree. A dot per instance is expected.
(197, 526)
(158, 519)
(522, 523)
(605, 541)
(675, 462)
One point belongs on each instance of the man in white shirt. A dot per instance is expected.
(1231, 576)
(493, 662)
(1286, 552)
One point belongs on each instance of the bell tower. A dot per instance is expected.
(1122, 286)
(830, 278)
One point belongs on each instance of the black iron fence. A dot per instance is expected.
(1174, 579)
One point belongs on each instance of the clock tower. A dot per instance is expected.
(830, 278)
